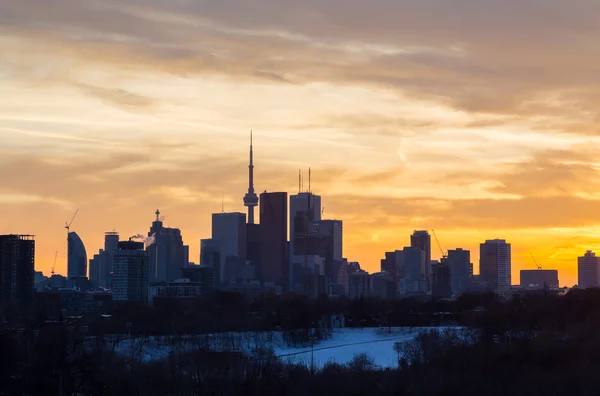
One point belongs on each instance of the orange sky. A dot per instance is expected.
(478, 119)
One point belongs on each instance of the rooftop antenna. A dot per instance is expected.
(309, 180)
(54, 265)
(222, 203)
(299, 181)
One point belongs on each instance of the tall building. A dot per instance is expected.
(167, 255)
(461, 269)
(495, 263)
(441, 285)
(305, 209)
(273, 249)
(101, 264)
(250, 199)
(588, 270)
(17, 257)
(539, 279)
(76, 256)
(422, 240)
(229, 229)
(130, 272)
(210, 256)
(359, 284)
(410, 263)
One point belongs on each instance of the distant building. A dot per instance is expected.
(588, 270)
(252, 268)
(383, 285)
(17, 258)
(495, 263)
(461, 269)
(441, 285)
(229, 229)
(101, 264)
(305, 209)
(77, 256)
(167, 254)
(421, 240)
(359, 284)
(539, 279)
(179, 288)
(210, 256)
(130, 272)
(273, 252)
(203, 275)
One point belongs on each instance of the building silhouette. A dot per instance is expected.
(588, 270)
(495, 263)
(273, 244)
(461, 270)
(421, 240)
(441, 276)
(130, 272)
(17, 262)
(102, 262)
(305, 209)
(359, 284)
(167, 255)
(539, 279)
(76, 256)
(210, 256)
(229, 229)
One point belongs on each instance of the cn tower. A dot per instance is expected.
(251, 199)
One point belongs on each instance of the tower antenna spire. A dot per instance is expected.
(251, 199)
(309, 180)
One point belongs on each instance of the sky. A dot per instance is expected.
(476, 118)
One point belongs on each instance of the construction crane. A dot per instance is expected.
(444, 255)
(54, 265)
(68, 225)
(539, 267)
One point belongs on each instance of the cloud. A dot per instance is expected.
(458, 53)
(118, 97)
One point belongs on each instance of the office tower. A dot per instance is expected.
(461, 269)
(359, 284)
(203, 275)
(305, 209)
(167, 255)
(17, 256)
(229, 229)
(588, 270)
(101, 264)
(410, 261)
(77, 256)
(273, 251)
(383, 285)
(210, 256)
(250, 199)
(422, 240)
(130, 272)
(495, 263)
(253, 268)
(539, 279)
(441, 285)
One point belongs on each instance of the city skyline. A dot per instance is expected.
(416, 122)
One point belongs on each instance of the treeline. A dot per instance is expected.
(534, 344)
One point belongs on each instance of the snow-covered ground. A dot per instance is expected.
(341, 347)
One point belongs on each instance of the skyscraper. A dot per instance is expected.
(305, 209)
(77, 256)
(167, 255)
(495, 263)
(130, 272)
(588, 270)
(250, 199)
(101, 264)
(422, 241)
(210, 256)
(229, 229)
(17, 255)
(461, 269)
(273, 251)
